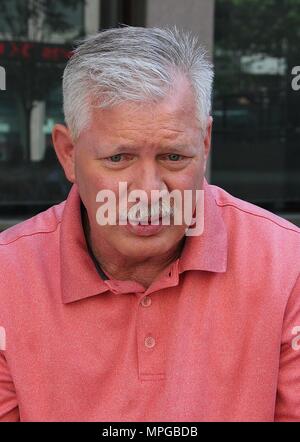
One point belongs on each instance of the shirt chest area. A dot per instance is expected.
(185, 345)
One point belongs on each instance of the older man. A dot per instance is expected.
(135, 320)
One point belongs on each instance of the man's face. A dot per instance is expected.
(150, 147)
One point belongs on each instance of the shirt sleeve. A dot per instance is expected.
(288, 392)
(9, 411)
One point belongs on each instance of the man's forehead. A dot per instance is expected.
(147, 111)
(131, 133)
(127, 119)
(178, 102)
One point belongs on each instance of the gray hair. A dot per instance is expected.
(133, 64)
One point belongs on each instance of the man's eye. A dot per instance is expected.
(174, 157)
(115, 158)
(120, 157)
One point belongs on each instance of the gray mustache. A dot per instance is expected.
(153, 213)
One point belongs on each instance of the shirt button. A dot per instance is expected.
(146, 301)
(149, 342)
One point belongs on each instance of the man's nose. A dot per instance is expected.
(148, 177)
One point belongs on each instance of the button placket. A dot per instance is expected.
(151, 351)
(149, 342)
(146, 301)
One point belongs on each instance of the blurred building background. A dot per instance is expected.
(254, 45)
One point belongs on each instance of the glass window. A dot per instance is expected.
(119, 12)
(10, 22)
(28, 184)
(34, 53)
(52, 21)
(256, 153)
(66, 22)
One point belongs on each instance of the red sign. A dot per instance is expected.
(32, 51)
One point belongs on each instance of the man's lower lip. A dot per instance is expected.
(144, 230)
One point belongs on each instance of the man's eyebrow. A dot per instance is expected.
(176, 147)
(129, 148)
(116, 149)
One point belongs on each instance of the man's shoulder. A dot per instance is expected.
(251, 215)
(261, 243)
(41, 224)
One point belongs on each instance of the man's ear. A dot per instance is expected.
(207, 140)
(64, 149)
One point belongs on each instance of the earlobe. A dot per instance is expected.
(207, 139)
(64, 149)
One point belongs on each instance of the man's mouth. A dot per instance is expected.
(144, 228)
(150, 221)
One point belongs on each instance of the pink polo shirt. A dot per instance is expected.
(215, 338)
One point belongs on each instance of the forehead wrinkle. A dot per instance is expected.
(157, 138)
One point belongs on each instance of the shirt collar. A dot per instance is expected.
(207, 252)
(79, 276)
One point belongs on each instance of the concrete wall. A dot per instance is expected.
(194, 15)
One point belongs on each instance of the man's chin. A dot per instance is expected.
(141, 246)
